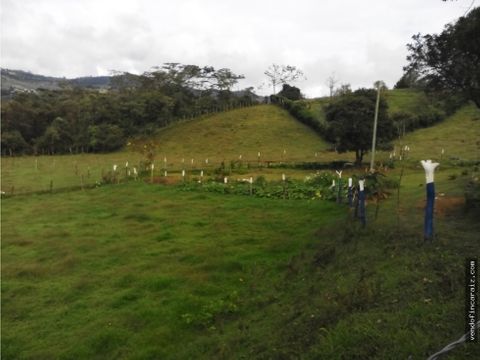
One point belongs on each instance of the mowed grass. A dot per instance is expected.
(139, 271)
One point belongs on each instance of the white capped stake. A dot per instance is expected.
(350, 182)
(165, 159)
(126, 164)
(258, 154)
(283, 177)
(251, 180)
(201, 173)
(152, 166)
(240, 157)
(192, 161)
(443, 151)
(135, 170)
(361, 184)
(225, 180)
(114, 167)
(429, 167)
(165, 173)
(333, 183)
(183, 173)
(206, 161)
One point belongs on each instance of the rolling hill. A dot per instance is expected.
(225, 136)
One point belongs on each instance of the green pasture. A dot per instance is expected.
(142, 271)
(138, 271)
(135, 270)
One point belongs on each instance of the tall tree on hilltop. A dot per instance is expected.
(282, 74)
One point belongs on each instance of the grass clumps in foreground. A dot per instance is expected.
(142, 271)
(138, 271)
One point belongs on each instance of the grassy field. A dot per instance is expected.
(224, 137)
(146, 271)
(221, 137)
(140, 271)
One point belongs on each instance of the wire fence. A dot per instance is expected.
(452, 345)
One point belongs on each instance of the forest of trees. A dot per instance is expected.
(76, 119)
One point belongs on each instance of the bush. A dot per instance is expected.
(300, 111)
(106, 137)
(13, 143)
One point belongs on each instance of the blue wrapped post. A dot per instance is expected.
(350, 192)
(429, 168)
(339, 187)
(361, 202)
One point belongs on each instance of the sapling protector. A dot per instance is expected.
(361, 201)
(429, 168)
(339, 190)
(350, 192)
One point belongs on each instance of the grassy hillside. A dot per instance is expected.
(405, 100)
(266, 129)
(224, 136)
(458, 135)
(399, 100)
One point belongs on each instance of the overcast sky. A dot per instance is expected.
(358, 41)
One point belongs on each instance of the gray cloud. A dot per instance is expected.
(359, 41)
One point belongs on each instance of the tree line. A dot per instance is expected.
(77, 119)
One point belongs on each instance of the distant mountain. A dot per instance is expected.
(14, 81)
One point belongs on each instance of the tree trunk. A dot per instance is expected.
(358, 157)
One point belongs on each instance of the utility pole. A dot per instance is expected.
(375, 121)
